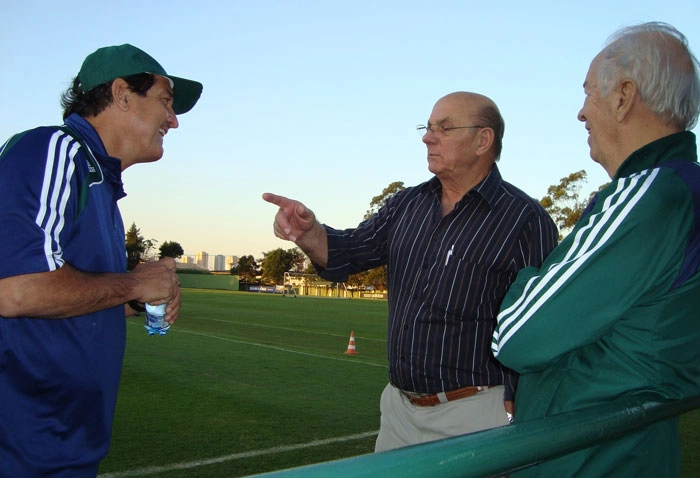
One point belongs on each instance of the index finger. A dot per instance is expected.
(274, 199)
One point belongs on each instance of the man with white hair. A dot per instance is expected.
(614, 310)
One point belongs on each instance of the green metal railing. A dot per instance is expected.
(481, 454)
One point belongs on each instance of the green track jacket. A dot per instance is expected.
(615, 311)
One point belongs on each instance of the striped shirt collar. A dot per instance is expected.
(488, 189)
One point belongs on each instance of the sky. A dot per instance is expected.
(319, 100)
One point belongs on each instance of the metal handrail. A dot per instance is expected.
(482, 454)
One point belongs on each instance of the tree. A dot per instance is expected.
(277, 262)
(298, 260)
(247, 269)
(309, 268)
(170, 249)
(138, 249)
(563, 201)
(378, 201)
(135, 247)
(376, 277)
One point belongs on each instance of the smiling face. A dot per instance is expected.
(150, 118)
(598, 115)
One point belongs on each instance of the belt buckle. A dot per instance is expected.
(415, 397)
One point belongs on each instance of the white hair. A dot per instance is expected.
(656, 56)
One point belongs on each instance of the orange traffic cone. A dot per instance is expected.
(351, 345)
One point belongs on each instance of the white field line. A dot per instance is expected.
(151, 470)
(280, 349)
(284, 328)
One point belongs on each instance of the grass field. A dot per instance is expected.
(248, 383)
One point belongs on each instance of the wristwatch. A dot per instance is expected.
(137, 306)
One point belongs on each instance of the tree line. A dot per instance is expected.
(140, 250)
(268, 270)
(563, 201)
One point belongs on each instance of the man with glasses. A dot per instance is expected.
(64, 288)
(452, 246)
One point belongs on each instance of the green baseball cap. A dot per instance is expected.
(111, 62)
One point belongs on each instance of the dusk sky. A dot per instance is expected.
(319, 100)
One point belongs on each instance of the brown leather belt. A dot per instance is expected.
(442, 397)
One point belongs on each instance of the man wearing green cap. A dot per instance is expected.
(64, 290)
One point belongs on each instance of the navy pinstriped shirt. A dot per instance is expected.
(446, 277)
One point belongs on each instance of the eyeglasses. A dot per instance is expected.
(440, 129)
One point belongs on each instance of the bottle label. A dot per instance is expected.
(155, 320)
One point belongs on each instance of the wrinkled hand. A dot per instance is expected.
(158, 284)
(293, 219)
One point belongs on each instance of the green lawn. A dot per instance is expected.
(247, 373)
(247, 383)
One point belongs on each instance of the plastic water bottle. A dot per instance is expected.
(155, 320)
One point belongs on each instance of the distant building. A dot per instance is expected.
(202, 260)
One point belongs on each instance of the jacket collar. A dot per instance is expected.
(677, 146)
(111, 166)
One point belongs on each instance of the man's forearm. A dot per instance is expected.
(65, 292)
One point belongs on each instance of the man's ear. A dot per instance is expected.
(121, 94)
(486, 137)
(627, 93)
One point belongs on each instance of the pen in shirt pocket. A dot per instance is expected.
(449, 254)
